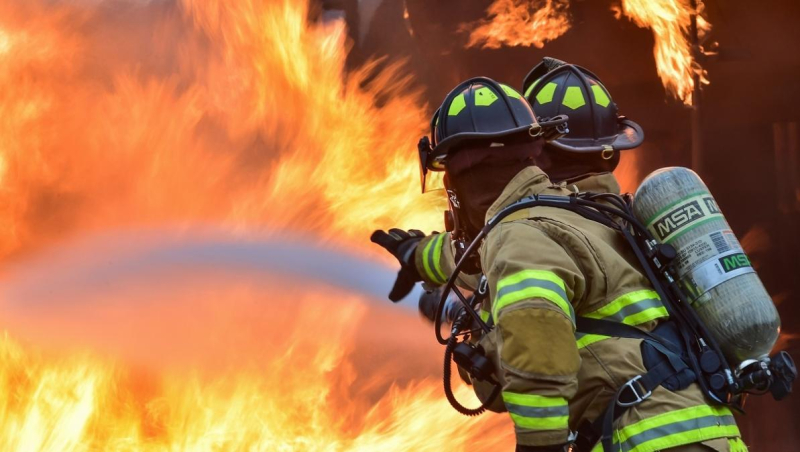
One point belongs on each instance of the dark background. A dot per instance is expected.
(748, 119)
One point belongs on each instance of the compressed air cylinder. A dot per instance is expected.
(712, 267)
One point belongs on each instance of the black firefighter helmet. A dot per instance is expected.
(554, 88)
(481, 109)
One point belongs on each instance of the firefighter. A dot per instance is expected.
(545, 266)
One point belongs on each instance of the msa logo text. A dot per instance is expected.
(711, 205)
(678, 218)
(734, 262)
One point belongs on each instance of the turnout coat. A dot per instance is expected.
(545, 266)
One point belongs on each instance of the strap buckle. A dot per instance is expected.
(483, 286)
(535, 130)
(638, 397)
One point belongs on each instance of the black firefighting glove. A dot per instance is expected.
(558, 448)
(402, 245)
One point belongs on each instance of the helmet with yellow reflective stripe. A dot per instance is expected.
(554, 88)
(478, 109)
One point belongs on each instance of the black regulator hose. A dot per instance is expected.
(448, 388)
(450, 286)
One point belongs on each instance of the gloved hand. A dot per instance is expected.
(557, 448)
(402, 245)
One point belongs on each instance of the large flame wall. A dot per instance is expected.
(119, 115)
(132, 115)
(142, 115)
(204, 351)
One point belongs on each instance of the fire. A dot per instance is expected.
(627, 172)
(221, 383)
(240, 115)
(520, 23)
(670, 21)
(182, 114)
(528, 22)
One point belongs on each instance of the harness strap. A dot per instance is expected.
(633, 392)
(523, 214)
(640, 387)
(614, 329)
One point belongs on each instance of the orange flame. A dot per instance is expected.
(268, 383)
(239, 114)
(242, 115)
(528, 22)
(520, 23)
(670, 21)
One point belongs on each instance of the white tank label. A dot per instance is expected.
(680, 217)
(716, 271)
(706, 247)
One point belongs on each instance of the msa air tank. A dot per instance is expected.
(712, 267)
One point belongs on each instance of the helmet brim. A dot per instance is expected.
(436, 159)
(630, 136)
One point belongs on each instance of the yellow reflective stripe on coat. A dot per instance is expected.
(485, 315)
(676, 428)
(582, 340)
(528, 284)
(633, 308)
(535, 412)
(431, 260)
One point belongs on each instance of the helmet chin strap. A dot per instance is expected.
(460, 233)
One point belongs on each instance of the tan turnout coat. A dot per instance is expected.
(545, 266)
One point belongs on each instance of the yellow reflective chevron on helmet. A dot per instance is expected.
(573, 98)
(511, 92)
(600, 96)
(484, 96)
(530, 88)
(458, 104)
(546, 94)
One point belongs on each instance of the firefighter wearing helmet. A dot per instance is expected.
(547, 266)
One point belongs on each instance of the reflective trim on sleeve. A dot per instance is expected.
(535, 412)
(633, 308)
(676, 428)
(533, 284)
(431, 260)
(437, 258)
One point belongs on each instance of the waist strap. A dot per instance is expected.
(636, 390)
